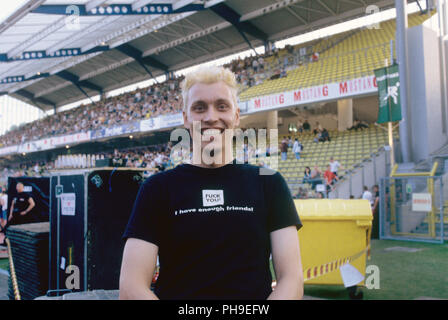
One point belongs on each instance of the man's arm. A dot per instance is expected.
(375, 204)
(287, 264)
(137, 270)
(30, 206)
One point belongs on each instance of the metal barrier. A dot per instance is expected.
(412, 206)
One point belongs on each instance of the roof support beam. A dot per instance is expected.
(297, 16)
(269, 9)
(75, 80)
(28, 95)
(230, 15)
(137, 55)
(322, 4)
(309, 9)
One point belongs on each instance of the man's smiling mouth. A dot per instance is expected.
(212, 131)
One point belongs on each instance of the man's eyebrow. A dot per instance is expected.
(222, 100)
(200, 101)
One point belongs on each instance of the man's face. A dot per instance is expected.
(212, 106)
(19, 187)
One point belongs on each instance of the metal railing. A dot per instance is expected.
(410, 205)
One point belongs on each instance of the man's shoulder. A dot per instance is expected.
(160, 177)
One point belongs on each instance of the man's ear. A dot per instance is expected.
(184, 114)
(237, 117)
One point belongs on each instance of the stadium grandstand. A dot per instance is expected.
(349, 55)
(87, 80)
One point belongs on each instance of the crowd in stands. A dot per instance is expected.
(142, 103)
(314, 177)
(156, 100)
(154, 157)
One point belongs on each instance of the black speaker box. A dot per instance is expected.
(89, 212)
(29, 247)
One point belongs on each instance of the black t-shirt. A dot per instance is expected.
(212, 227)
(21, 202)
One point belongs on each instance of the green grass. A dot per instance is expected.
(4, 264)
(403, 275)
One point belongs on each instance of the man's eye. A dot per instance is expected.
(222, 106)
(198, 108)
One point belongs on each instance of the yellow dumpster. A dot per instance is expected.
(334, 233)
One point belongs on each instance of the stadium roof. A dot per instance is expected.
(55, 52)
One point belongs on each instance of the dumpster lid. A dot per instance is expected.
(337, 209)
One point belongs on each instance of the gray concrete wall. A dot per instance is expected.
(425, 103)
(368, 175)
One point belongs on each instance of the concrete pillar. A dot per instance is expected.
(402, 55)
(345, 114)
(272, 120)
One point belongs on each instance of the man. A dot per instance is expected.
(306, 125)
(376, 212)
(212, 225)
(315, 177)
(284, 149)
(334, 166)
(330, 178)
(325, 136)
(297, 148)
(21, 205)
(367, 195)
(3, 207)
(3, 212)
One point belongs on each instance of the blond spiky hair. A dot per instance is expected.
(209, 75)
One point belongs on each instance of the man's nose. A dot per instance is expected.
(211, 114)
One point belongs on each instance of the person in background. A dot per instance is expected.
(316, 175)
(3, 212)
(335, 166)
(284, 149)
(318, 128)
(330, 178)
(290, 142)
(21, 205)
(376, 212)
(367, 195)
(306, 125)
(324, 136)
(307, 176)
(297, 148)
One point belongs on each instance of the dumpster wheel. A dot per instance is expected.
(354, 293)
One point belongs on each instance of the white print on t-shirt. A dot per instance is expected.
(216, 209)
(212, 198)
